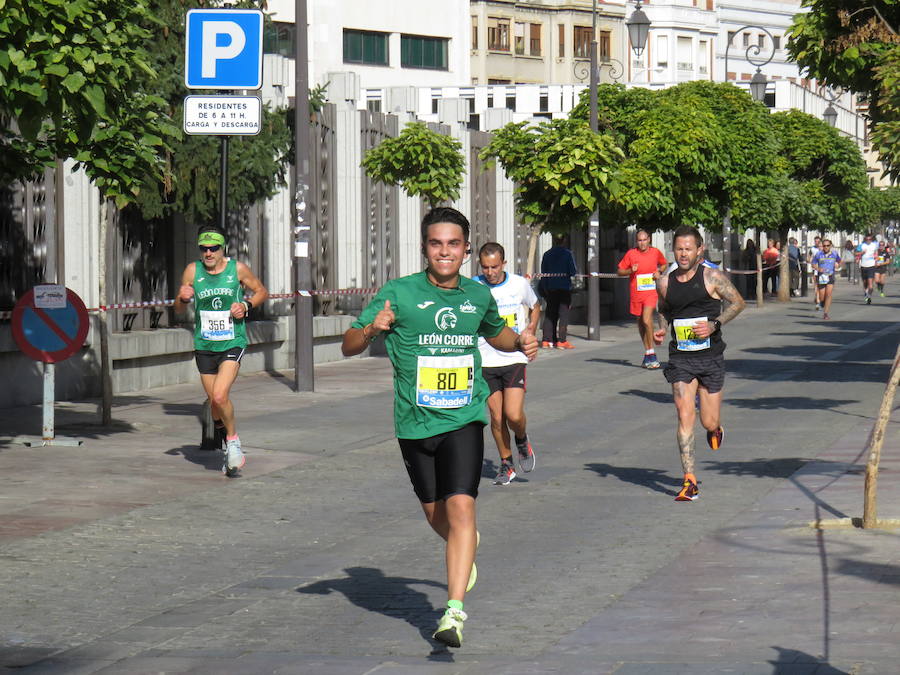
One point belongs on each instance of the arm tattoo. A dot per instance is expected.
(732, 302)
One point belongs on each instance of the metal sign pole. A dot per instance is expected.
(223, 184)
(593, 238)
(303, 302)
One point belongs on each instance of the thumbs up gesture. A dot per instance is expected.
(384, 319)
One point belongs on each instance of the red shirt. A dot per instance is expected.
(770, 256)
(648, 262)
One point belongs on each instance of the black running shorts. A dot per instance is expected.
(208, 362)
(445, 465)
(819, 282)
(867, 273)
(504, 377)
(709, 371)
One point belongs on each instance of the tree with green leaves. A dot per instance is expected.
(423, 162)
(72, 80)
(693, 152)
(561, 169)
(823, 183)
(855, 45)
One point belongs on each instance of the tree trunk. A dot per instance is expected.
(876, 440)
(759, 279)
(531, 261)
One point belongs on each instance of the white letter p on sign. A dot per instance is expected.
(212, 52)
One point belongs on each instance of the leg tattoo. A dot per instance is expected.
(686, 447)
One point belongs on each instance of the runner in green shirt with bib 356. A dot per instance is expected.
(431, 323)
(216, 284)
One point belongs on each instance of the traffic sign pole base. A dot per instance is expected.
(34, 441)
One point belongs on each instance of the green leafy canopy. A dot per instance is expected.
(423, 162)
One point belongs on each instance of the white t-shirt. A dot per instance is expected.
(869, 251)
(515, 298)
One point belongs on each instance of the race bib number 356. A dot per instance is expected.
(645, 282)
(686, 340)
(216, 325)
(444, 381)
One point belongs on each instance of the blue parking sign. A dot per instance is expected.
(223, 49)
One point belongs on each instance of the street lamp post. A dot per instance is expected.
(638, 29)
(831, 95)
(758, 83)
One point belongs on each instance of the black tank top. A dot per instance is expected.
(690, 300)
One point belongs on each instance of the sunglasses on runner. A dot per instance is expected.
(211, 249)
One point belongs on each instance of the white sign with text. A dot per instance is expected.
(222, 115)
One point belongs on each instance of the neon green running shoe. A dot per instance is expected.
(449, 628)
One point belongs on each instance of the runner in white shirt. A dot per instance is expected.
(504, 372)
(868, 251)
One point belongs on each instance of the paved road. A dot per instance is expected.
(134, 554)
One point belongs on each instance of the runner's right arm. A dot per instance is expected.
(186, 292)
(357, 339)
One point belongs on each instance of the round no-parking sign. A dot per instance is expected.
(49, 323)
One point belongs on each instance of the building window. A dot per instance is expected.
(603, 46)
(534, 41)
(703, 58)
(367, 47)
(562, 40)
(417, 51)
(662, 50)
(746, 39)
(731, 35)
(582, 42)
(761, 40)
(776, 42)
(498, 34)
(474, 32)
(520, 38)
(278, 38)
(685, 60)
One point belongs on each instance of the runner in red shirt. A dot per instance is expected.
(644, 264)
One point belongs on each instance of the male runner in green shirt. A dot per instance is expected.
(431, 321)
(217, 285)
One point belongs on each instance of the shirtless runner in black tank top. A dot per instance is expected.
(696, 301)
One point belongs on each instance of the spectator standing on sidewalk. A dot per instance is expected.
(770, 258)
(556, 288)
(644, 264)
(748, 262)
(848, 262)
(794, 264)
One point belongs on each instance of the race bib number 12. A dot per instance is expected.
(686, 340)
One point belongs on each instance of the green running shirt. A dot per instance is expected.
(215, 330)
(433, 346)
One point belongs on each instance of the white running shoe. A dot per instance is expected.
(234, 457)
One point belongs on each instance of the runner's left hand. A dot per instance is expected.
(238, 310)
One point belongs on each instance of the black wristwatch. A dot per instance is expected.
(717, 324)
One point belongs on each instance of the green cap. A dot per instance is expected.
(210, 239)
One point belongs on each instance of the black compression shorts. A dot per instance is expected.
(709, 371)
(504, 377)
(208, 362)
(445, 465)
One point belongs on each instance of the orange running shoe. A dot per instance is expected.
(565, 345)
(689, 491)
(715, 438)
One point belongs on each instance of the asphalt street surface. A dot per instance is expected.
(134, 554)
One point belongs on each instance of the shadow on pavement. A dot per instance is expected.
(654, 396)
(615, 362)
(211, 460)
(882, 573)
(796, 662)
(811, 370)
(655, 479)
(788, 403)
(368, 588)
